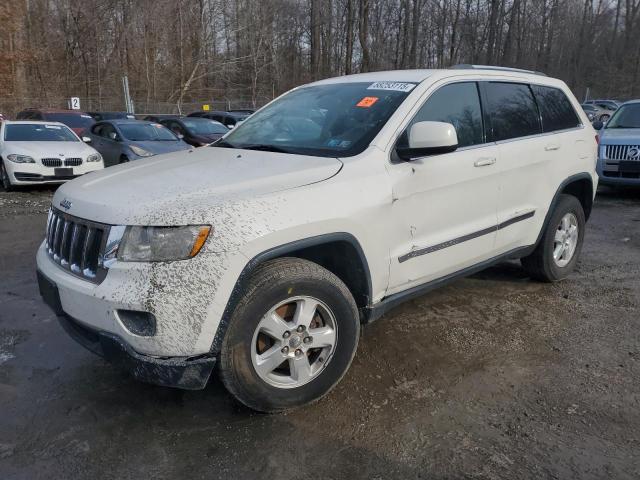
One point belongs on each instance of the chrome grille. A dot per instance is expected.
(51, 162)
(73, 162)
(77, 245)
(618, 152)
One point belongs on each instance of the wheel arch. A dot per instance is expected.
(580, 186)
(339, 252)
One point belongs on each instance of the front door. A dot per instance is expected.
(444, 206)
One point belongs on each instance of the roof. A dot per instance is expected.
(29, 122)
(124, 121)
(418, 76)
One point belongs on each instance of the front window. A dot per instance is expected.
(204, 126)
(144, 132)
(331, 120)
(34, 132)
(73, 120)
(627, 116)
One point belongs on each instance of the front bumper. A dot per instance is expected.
(190, 373)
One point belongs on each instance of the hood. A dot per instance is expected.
(161, 146)
(620, 136)
(50, 149)
(181, 187)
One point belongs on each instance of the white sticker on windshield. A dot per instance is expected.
(395, 86)
(55, 127)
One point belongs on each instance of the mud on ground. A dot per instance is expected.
(494, 377)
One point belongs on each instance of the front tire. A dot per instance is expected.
(291, 338)
(4, 178)
(556, 255)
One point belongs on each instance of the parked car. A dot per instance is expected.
(228, 119)
(262, 254)
(158, 117)
(619, 151)
(74, 119)
(121, 141)
(605, 108)
(42, 152)
(99, 116)
(591, 111)
(196, 131)
(242, 111)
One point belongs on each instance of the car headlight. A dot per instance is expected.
(141, 152)
(162, 244)
(94, 157)
(20, 158)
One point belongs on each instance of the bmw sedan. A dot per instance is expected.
(123, 140)
(42, 152)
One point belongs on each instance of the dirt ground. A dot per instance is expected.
(495, 376)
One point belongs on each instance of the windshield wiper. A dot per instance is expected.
(223, 144)
(265, 148)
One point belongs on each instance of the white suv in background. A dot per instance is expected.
(43, 152)
(264, 253)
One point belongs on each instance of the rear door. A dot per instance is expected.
(515, 125)
(445, 205)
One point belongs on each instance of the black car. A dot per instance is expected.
(229, 119)
(99, 116)
(158, 117)
(196, 131)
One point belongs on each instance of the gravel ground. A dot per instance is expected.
(495, 376)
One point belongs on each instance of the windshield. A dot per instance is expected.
(144, 132)
(203, 126)
(334, 120)
(73, 120)
(33, 132)
(627, 116)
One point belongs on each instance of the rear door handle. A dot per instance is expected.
(484, 162)
(551, 147)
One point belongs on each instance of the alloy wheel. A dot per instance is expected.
(294, 342)
(565, 240)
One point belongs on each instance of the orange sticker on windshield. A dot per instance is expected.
(366, 102)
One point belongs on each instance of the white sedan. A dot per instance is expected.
(43, 152)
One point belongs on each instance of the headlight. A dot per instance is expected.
(20, 158)
(162, 244)
(141, 152)
(94, 157)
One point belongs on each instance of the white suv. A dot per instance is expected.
(337, 201)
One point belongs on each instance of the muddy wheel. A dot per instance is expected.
(291, 338)
(4, 178)
(556, 255)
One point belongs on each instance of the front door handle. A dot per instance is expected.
(551, 147)
(484, 162)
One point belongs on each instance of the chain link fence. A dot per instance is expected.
(10, 106)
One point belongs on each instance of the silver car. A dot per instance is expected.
(619, 151)
(605, 108)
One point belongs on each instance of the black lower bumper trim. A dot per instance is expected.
(189, 373)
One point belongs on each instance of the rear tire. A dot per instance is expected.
(4, 178)
(124, 159)
(556, 255)
(291, 338)
(604, 117)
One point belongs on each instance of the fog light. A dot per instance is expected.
(138, 323)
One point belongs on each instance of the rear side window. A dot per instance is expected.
(555, 108)
(512, 110)
(459, 105)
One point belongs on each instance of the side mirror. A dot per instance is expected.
(429, 138)
(86, 139)
(598, 125)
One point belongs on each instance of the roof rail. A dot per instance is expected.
(466, 66)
